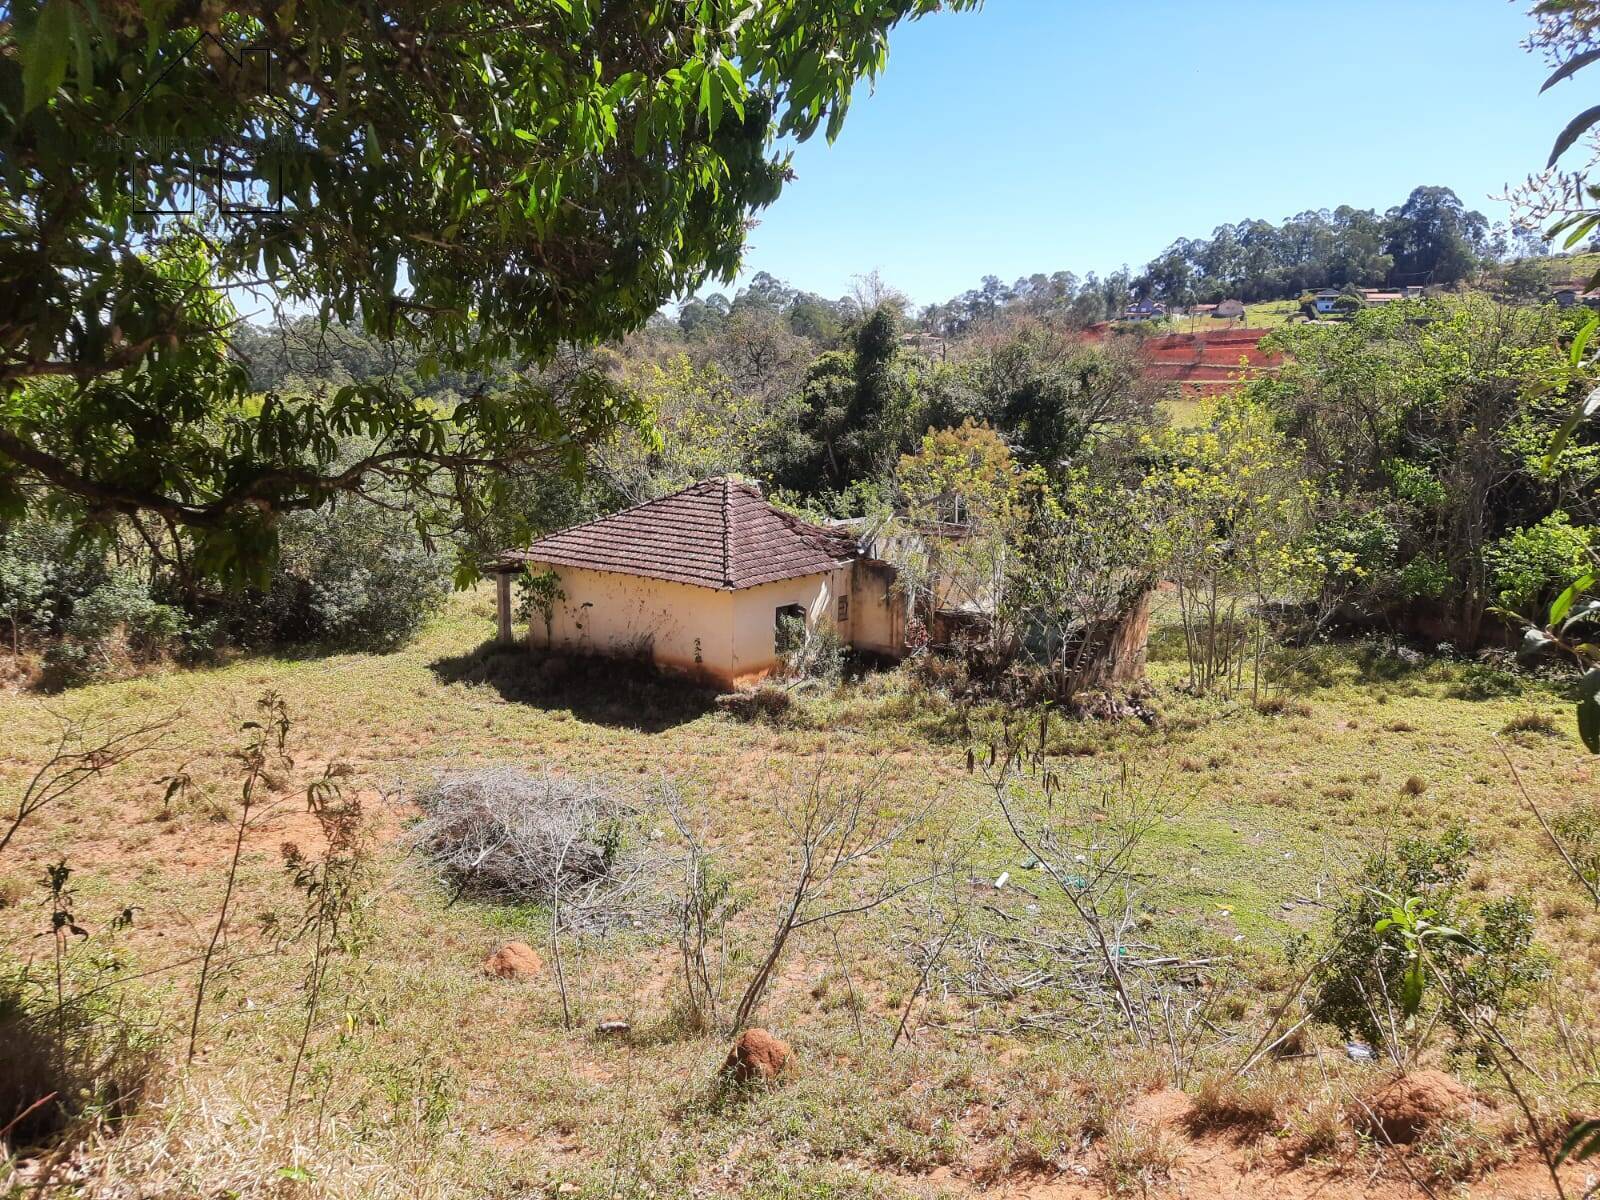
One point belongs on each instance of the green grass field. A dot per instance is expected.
(1266, 314)
(425, 1078)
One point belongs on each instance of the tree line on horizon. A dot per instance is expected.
(1432, 239)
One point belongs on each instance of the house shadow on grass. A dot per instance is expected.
(605, 691)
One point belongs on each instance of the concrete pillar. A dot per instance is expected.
(502, 591)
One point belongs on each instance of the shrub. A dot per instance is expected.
(1490, 966)
(538, 593)
(1486, 681)
(1499, 976)
(1363, 966)
(116, 627)
(816, 654)
(1531, 565)
(1356, 550)
(44, 571)
(350, 576)
(1414, 482)
(1425, 577)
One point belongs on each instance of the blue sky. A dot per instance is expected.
(1043, 135)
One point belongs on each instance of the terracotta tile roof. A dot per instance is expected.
(718, 533)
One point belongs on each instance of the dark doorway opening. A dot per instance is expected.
(789, 628)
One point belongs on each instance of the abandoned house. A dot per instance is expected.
(703, 581)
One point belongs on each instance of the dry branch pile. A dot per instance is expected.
(573, 844)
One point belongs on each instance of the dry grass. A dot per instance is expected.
(1537, 722)
(430, 1079)
(1138, 1157)
(1254, 1104)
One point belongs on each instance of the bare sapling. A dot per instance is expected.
(335, 886)
(555, 930)
(80, 753)
(931, 955)
(705, 907)
(1270, 1038)
(1089, 860)
(838, 834)
(266, 742)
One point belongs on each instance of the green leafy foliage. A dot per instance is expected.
(43, 571)
(816, 654)
(538, 594)
(1416, 925)
(1365, 965)
(1530, 565)
(117, 627)
(1404, 945)
(1231, 505)
(482, 182)
(1430, 422)
(348, 577)
(853, 416)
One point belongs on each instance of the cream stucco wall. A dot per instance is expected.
(727, 637)
(677, 626)
(755, 616)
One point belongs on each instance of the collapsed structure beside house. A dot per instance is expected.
(702, 582)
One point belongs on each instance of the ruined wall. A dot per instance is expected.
(877, 609)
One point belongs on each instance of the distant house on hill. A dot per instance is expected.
(1144, 310)
(928, 345)
(1566, 295)
(1330, 302)
(704, 581)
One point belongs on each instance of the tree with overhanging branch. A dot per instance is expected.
(483, 182)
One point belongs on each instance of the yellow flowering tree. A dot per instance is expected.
(1231, 509)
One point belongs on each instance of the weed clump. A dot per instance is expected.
(69, 1064)
(765, 703)
(1532, 722)
(1245, 1105)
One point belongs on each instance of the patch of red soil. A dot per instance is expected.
(1403, 1109)
(514, 960)
(758, 1055)
(1208, 1165)
(1204, 362)
(1167, 1108)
